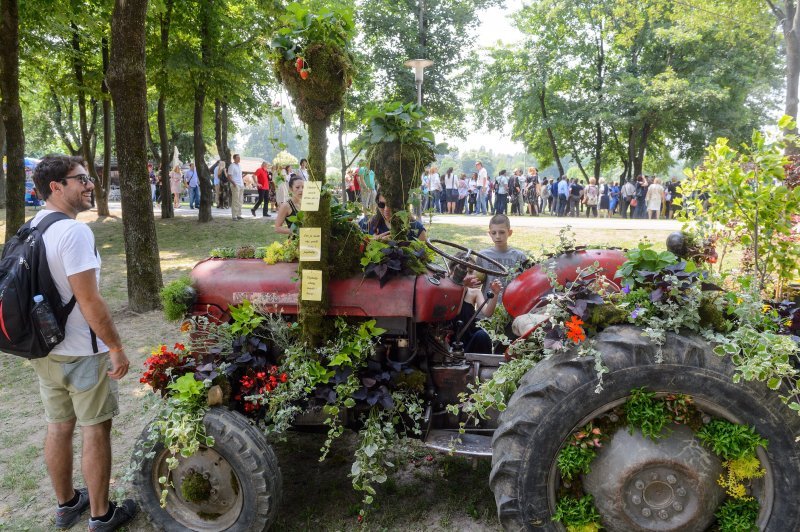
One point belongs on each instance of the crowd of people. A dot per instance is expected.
(534, 195)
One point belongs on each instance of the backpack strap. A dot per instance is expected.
(49, 220)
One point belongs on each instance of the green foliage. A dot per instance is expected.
(574, 460)
(748, 193)
(396, 122)
(175, 298)
(729, 440)
(572, 512)
(246, 318)
(187, 389)
(483, 398)
(646, 259)
(646, 413)
(737, 515)
(302, 24)
(222, 253)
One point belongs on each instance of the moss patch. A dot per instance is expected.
(195, 488)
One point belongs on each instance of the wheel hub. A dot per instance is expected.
(670, 484)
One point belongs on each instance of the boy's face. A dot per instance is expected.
(499, 234)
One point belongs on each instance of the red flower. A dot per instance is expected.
(179, 347)
(574, 330)
(283, 377)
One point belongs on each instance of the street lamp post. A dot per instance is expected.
(419, 66)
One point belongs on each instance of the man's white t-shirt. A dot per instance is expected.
(483, 177)
(70, 249)
(235, 174)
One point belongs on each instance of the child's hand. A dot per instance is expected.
(496, 287)
(472, 281)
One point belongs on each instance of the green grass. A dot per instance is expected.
(23, 470)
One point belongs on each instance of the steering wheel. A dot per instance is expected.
(502, 272)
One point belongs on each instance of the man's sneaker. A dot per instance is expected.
(67, 516)
(123, 513)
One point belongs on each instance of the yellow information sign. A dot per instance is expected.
(310, 244)
(311, 288)
(311, 195)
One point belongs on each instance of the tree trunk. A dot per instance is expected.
(205, 18)
(154, 152)
(312, 313)
(792, 40)
(86, 136)
(343, 157)
(12, 116)
(101, 193)
(200, 154)
(598, 151)
(550, 135)
(640, 149)
(2, 171)
(126, 79)
(163, 139)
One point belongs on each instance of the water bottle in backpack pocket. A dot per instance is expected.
(44, 320)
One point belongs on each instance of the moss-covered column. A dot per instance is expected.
(316, 78)
(398, 168)
(312, 313)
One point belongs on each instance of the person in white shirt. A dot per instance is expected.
(450, 190)
(435, 184)
(78, 378)
(237, 187)
(483, 188)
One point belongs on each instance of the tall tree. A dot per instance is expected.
(788, 16)
(162, 82)
(12, 115)
(441, 30)
(2, 156)
(127, 81)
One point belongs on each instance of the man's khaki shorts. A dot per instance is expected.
(77, 387)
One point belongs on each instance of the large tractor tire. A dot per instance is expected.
(233, 486)
(558, 396)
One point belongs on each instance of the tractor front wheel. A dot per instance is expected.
(233, 486)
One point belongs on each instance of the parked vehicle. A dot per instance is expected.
(639, 484)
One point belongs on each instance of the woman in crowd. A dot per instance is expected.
(545, 199)
(603, 206)
(472, 190)
(176, 185)
(379, 225)
(291, 206)
(450, 191)
(463, 192)
(613, 198)
(350, 187)
(655, 199)
(591, 196)
(303, 170)
(435, 186)
(641, 197)
(532, 191)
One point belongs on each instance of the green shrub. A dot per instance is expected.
(646, 413)
(737, 515)
(573, 512)
(175, 298)
(573, 460)
(730, 441)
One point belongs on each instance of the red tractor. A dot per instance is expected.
(637, 483)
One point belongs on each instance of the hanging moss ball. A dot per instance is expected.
(195, 488)
(398, 168)
(320, 93)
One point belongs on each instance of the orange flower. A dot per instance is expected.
(574, 330)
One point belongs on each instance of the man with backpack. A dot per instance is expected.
(78, 378)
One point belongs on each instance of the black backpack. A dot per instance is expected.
(24, 273)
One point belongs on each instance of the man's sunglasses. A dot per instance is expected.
(83, 178)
